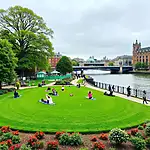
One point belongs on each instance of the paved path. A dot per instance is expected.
(137, 100)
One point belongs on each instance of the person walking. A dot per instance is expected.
(113, 88)
(144, 97)
(128, 91)
(109, 88)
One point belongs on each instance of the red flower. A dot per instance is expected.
(58, 134)
(134, 131)
(9, 143)
(39, 135)
(129, 133)
(103, 136)
(5, 129)
(94, 139)
(15, 147)
(98, 146)
(52, 145)
(15, 132)
(3, 142)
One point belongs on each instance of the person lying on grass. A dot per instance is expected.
(109, 94)
(16, 94)
(48, 100)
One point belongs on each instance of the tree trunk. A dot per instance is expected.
(0, 84)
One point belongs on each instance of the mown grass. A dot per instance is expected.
(36, 82)
(70, 113)
(81, 81)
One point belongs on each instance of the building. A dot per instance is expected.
(140, 54)
(55, 59)
(125, 60)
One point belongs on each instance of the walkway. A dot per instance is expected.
(137, 100)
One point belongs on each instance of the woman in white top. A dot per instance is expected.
(49, 99)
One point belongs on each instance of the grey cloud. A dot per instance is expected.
(93, 27)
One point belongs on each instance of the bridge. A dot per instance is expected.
(112, 69)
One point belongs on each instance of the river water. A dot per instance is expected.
(136, 81)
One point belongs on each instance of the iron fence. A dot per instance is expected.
(118, 89)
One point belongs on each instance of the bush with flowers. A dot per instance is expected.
(98, 146)
(93, 139)
(134, 131)
(3, 146)
(103, 136)
(15, 147)
(58, 134)
(6, 136)
(39, 135)
(52, 145)
(118, 136)
(5, 129)
(25, 147)
(15, 132)
(32, 140)
(129, 133)
(64, 139)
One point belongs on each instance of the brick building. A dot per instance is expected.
(54, 60)
(140, 54)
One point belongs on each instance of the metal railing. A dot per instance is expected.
(118, 89)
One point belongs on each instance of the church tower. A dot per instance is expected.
(136, 47)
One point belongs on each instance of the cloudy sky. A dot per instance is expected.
(93, 27)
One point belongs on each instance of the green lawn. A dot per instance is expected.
(70, 113)
(36, 82)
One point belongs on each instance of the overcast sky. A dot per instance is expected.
(93, 27)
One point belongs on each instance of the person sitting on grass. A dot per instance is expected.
(16, 94)
(54, 92)
(90, 95)
(63, 88)
(48, 89)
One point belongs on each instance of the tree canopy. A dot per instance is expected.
(64, 65)
(75, 63)
(140, 65)
(110, 64)
(8, 62)
(28, 34)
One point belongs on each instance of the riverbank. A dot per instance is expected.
(140, 72)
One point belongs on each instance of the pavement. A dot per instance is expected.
(137, 100)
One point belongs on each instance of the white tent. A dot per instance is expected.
(55, 72)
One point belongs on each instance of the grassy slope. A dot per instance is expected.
(70, 113)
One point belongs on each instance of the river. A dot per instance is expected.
(136, 81)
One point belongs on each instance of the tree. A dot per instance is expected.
(140, 65)
(110, 64)
(64, 65)
(28, 34)
(8, 62)
(75, 63)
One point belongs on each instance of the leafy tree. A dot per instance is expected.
(110, 64)
(75, 63)
(8, 62)
(64, 65)
(140, 65)
(28, 34)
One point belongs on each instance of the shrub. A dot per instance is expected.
(15, 147)
(1, 133)
(58, 134)
(15, 139)
(32, 141)
(138, 143)
(75, 139)
(35, 145)
(25, 147)
(139, 135)
(94, 139)
(15, 132)
(147, 141)
(144, 125)
(147, 130)
(5, 129)
(41, 145)
(39, 135)
(98, 146)
(64, 139)
(140, 127)
(129, 133)
(118, 136)
(52, 145)
(7, 136)
(134, 131)
(103, 136)
(9, 143)
(3, 147)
